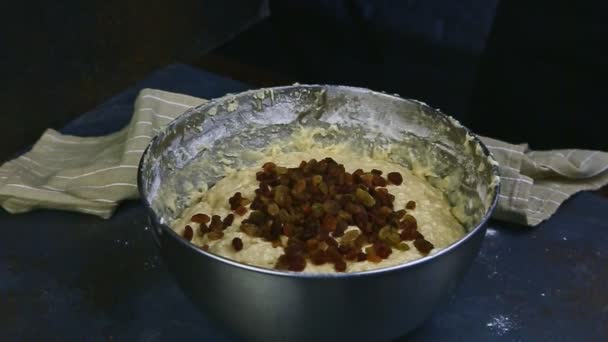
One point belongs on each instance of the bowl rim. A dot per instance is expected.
(389, 269)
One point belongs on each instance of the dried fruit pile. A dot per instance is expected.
(313, 205)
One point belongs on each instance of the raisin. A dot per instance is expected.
(372, 237)
(216, 223)
(306, 208)
(203, 229)
(393, 238)
(294, 247)
(400, 214)
(351, 255)
(269, 167)
(188, 233)
(395, 178)
(403, 246)
(382, 249)
(266, 177)
(276, 228)
(257, 204)
(257, 217)
(317, 210)
(361, 241)
(323, 188)
(384, 233)
(385, 211)
(235, 201)
(309, 230)
(357, 176)
(331, 207)
(423, 246)
(297, 263)
(228, 220)
(408, 235)
(371, 255)
(312, 245)
(345, 216)
(316, 180)
(329, 223)
(340, 265)
(333, 254)
(245, 201)
(351, 236)
(341, 227)
(409, 226)
(264, 190)
(311, 165)
(410, 221)
(367, 179)
(272, 209)
(344, 249)
(237, 244)
(300, 186)
(333, 170)
(200, 218)
(382, 196)
(318, 257)
(250, 229)
(410, 205)
(365, 198)
(281, 196)
(347, 189)
(265, 231)
(281, 170)
(284, 179)
(288, 229)
(353, 209)
(274, 182)
(240, 211)
(321, 167)
(331, 242)
(361, 256)
(379, 181)
(362, 220)
(215, 235)
(322, 235)
(282, 262)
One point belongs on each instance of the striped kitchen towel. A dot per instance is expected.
(535, 183)
(89, 175)
(92, 175)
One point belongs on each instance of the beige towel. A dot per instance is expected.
(92, 175)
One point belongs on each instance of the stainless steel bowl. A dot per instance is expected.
(269, 305)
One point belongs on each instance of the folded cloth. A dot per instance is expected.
(92, 175)
(535, 183)
(89, 175)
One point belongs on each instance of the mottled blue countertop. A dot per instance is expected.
(67, 276)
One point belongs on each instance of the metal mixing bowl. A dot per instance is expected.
(267, 305)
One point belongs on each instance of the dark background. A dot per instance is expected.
(516, 70)
(59, 59)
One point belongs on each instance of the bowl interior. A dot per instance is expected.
(191, 153)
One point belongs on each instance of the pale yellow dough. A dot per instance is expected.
(433, 213)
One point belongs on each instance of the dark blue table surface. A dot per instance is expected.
(66, 276)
